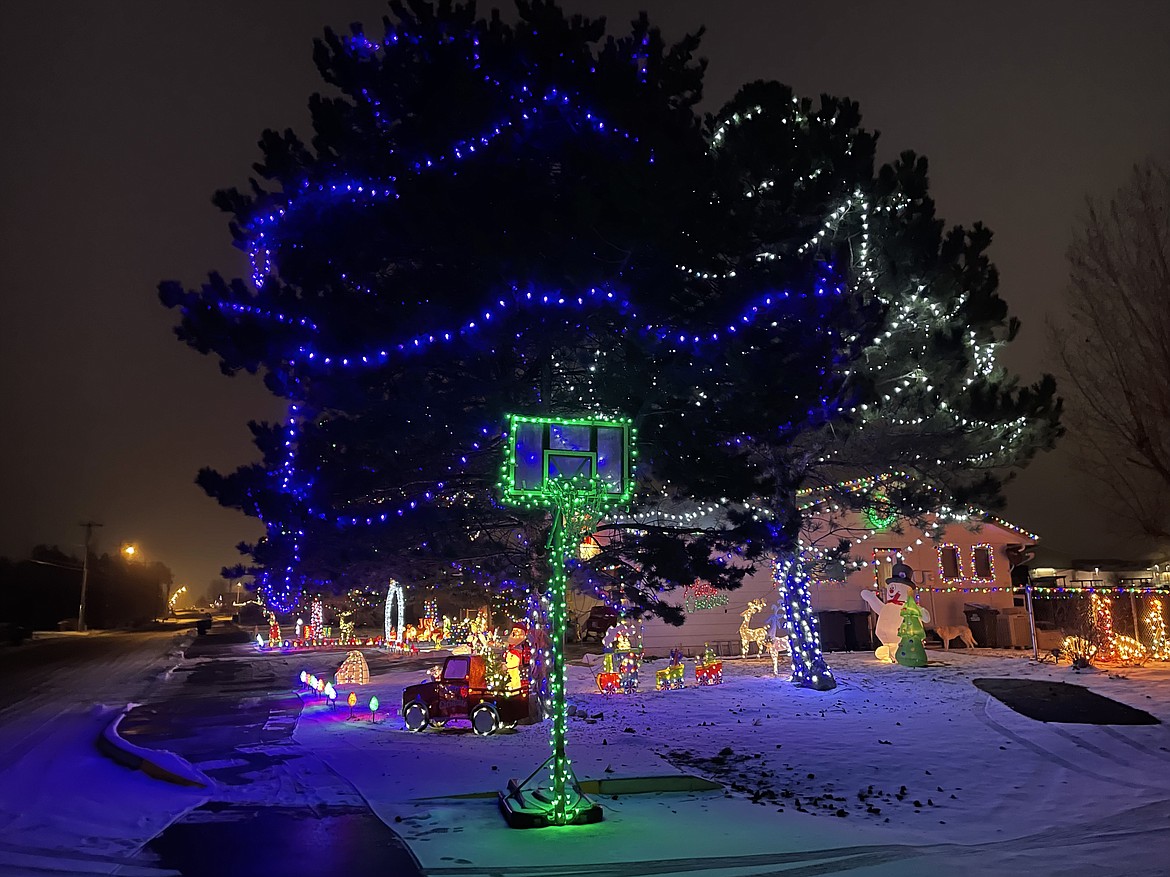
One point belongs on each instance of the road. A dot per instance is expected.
(69, 674)
(66, 809)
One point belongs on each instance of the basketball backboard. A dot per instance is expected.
(543, 449)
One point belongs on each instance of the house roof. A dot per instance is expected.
(816, 496)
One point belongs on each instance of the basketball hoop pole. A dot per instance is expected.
(562, 774)
(576, 511)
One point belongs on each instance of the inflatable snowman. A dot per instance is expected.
(898, 591)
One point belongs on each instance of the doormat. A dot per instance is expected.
(1061, 702)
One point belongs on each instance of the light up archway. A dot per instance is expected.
(395, 594)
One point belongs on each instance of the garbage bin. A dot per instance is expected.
(832, 624)
(983, 622)
(202, 626)
(859, 632)
(1013, 630)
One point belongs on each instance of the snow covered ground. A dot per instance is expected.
(64, 807)
(896, 772)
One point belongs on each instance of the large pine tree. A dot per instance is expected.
(533, 218)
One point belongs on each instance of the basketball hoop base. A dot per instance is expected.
(525, 806)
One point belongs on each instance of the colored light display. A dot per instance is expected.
(316, 620)
(701, 596)
(274, 638)
(986, 551)
(1155, 621)
(671, 677)
(809, 669)
(395, 594)
(879, 516)
(353, 670)
(710, 672)
(1102, 612)
(945, 550)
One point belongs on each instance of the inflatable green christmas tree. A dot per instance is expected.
(911, 649)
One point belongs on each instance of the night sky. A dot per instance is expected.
(120, 120)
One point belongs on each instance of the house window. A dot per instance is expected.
(982, 565)
(950, 563)
(883, 565)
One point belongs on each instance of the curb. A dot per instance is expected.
(115, 747)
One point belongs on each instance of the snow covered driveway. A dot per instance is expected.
(897, 771)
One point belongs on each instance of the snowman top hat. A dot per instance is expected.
(901, 573)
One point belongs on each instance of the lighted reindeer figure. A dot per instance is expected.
(749, 635)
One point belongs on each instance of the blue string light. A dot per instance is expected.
(263, 226)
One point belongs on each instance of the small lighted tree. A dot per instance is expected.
(911, 637)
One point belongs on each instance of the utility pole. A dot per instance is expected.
(89, 525)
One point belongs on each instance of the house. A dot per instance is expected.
(962, 567)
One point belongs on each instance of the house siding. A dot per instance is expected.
(719, 627)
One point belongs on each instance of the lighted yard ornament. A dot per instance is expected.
(273, 631)
(579, 469)
(374, 708)
(911, 637)
(353, 670)
(352, 701)
(395, 594)
(777, 644)
(708, 670)
(671, 677)
(517, 657)
(749, 635)
(623, 657)
(898, 592)
(1102, 609)
(496, 671)
(346, 636)
(1156, 628)
(700, 596)
(316, 620)
(1112, 646)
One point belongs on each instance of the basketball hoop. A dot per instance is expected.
(579, 469)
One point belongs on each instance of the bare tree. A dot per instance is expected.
(1114, 344)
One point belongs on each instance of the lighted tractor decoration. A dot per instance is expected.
(463, 691)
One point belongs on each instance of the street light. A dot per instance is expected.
(130, 551)
(238, 586)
